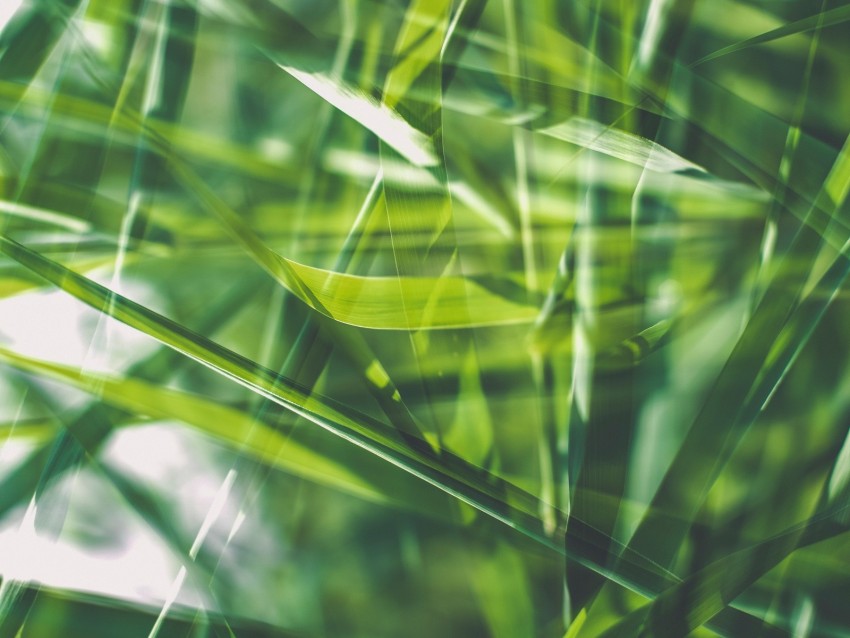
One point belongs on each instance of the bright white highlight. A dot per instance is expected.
(388, 125)
(44, 215)
(8, 9)
(620, 144)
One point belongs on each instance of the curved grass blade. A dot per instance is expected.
(360, 430)
(268, 384)
(620, 144)
(494, 497)
(391, 303)
(311, 349)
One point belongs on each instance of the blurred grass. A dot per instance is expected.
(462, 318)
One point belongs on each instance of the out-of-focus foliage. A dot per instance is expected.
(424, 318)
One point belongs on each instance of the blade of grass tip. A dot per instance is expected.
(379, 118)
(471, 434)
(361, 107)
(500, 582)
(492, 496)
(606, 139)
(621, 144)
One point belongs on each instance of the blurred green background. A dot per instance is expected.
(424, 318)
